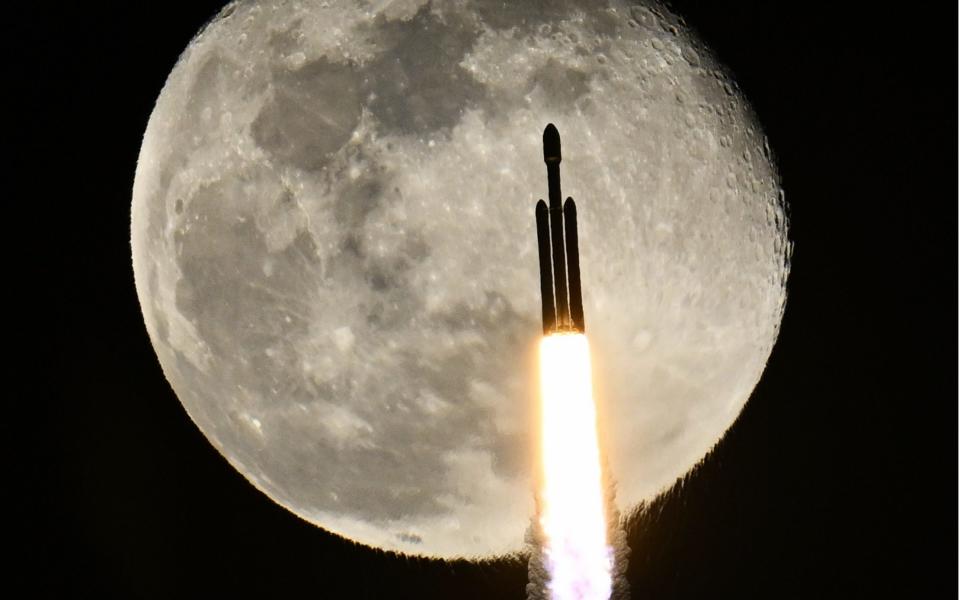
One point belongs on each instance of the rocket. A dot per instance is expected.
(557, 243)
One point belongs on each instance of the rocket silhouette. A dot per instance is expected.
(557, 243)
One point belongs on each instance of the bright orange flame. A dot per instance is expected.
(572, 497)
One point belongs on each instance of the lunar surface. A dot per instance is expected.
(335, 251)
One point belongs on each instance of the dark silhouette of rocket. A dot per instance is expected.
(559, 255)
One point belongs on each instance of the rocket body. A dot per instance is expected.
(558, 249)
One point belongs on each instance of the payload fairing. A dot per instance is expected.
(559, 255)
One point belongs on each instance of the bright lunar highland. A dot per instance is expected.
(335, 251)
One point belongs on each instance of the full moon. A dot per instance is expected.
(335, 251)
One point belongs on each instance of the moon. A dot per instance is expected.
(334, 250)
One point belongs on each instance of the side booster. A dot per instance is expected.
(559, 254)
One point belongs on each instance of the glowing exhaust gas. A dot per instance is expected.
(577, 556)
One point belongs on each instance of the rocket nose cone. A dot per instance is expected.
(551, 144)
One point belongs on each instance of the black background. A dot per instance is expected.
(839, 479)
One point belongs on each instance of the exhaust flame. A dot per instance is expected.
(577, 556)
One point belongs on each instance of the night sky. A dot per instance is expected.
(839, 480)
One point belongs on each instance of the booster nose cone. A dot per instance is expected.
(551, 144)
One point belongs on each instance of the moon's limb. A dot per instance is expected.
(333, 245)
